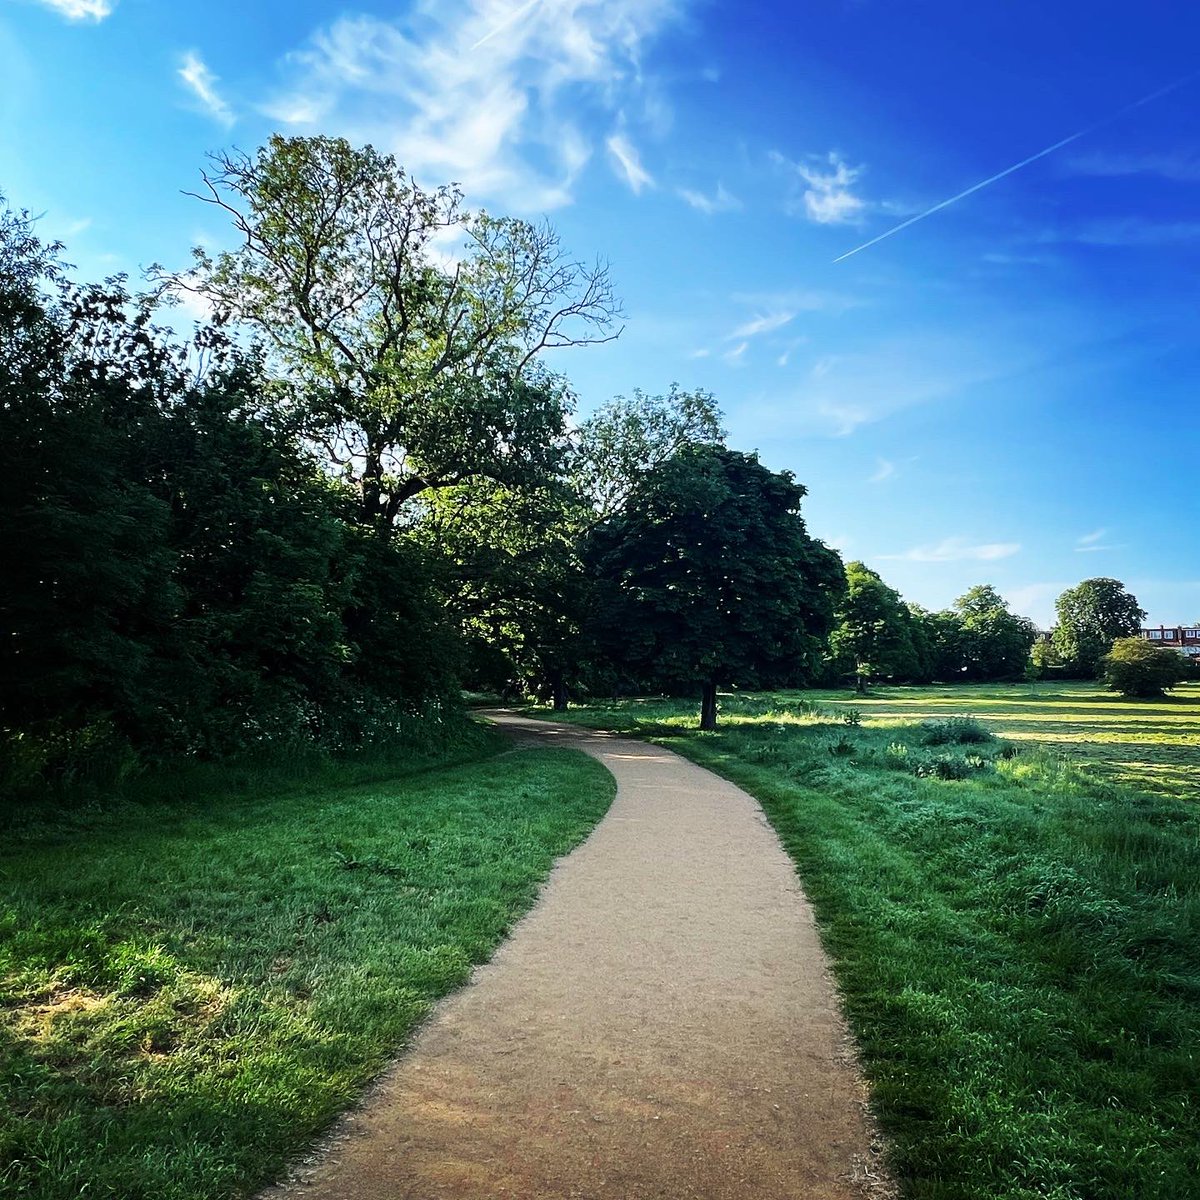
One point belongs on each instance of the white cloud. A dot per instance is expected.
(835, 395)
(957, 549)
(823, 192)
(884, 470)
(764, 324)
(494, 95)
(734, 357)
(626, 157)
(1090, 539)
(81, 10)
(201, 82)
(1094, 541)
(720, 201)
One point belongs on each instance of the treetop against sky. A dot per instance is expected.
(1002, 390)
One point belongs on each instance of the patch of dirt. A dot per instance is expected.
(661, 1025)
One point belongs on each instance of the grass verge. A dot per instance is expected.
(1017, 942)
(190, 992)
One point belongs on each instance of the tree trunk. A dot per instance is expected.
(860, 686)
(708, 706)
(558, 687)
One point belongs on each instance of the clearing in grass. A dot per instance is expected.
(1017, 936)
(189, 993)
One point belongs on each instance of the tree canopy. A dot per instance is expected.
(874, 630)
(1092, 615)
(708, 575)
(1135, 667)
(408, 327)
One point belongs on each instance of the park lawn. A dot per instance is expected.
(190, 992)
(1148, 745)
(1016, 937)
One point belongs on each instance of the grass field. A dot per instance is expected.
(189, 992)
(1015, 930)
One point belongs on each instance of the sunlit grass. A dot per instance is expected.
(190, 991)
(1015, 932)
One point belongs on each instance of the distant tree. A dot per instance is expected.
(1091, 617)
(709, 576)
(408, 372)
(873, 635)
(936, 638)
(1042, 657)
(630, 435)
(1135, 667)
(995, 642)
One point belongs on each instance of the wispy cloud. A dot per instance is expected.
(734, 357)
(836, 395)
(1017, 166)
(1182, 166)
(202, 83)
(767, 323)
(629, 163)
(957, 549)
(1127, 231)
(1091, 542)
(81, 10)
(884, 470)
(822, 189)
(720, 201)
(497, 95)
(512, 18)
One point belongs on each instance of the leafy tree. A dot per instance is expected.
(630, 436)
(995, 643)
(873, 635)
(1135, 667)
(1042, 657)
(1091, 617)
(708, 576)
(515, 571)
(409, 374)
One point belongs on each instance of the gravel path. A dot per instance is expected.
(661, 1024)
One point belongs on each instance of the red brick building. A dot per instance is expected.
(1184, 638)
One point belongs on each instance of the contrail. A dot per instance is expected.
(512, 17)
(1162, 91)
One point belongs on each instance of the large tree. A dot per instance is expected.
(411, 325)
(515, 574)
(874, 634)
(709, 576)
(1091, 617)
(994, 641)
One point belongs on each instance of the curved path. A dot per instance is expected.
(661, 1024)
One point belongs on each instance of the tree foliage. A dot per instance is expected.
(874, 631)
(409, 326)
(1135, 667)
(709, 576)
(1091, 617)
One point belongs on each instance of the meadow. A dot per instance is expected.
(1007, 880)
(192, 988)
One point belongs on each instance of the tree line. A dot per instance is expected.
(358, 486)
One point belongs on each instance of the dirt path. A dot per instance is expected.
(660, 1025)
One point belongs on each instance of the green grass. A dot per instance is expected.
(1018, 947)
(189, 992)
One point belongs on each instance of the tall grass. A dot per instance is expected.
(190, 990)
(1017, 942)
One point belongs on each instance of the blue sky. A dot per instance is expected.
(1004, 392)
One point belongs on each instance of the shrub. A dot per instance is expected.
(1135, 667)
(959, 731)
(842, 748)
(852, 716)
